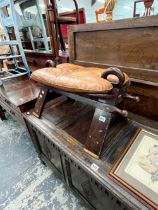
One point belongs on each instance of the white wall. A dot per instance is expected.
(64, 5)
(123, 8)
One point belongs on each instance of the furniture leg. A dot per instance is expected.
(97, 132)
(2, 114)
(41, 100)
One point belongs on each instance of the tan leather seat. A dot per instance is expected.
(75, 78)
(91, 70)
(81, 81)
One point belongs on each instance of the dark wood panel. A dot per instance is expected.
(146, 107)
(148, 103)
(135, 48)
(46, 149)
(144, 90)
(129, 44)
(99, 197)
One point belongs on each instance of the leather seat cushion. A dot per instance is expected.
(76, 80)
(91, 70)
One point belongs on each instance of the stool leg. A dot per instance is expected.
(41, 100)
(2, 114)
(97, 132)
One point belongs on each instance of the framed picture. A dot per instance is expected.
(137, 168)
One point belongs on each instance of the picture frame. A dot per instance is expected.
(137, 168)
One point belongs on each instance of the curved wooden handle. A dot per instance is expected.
(49, 63)
(115, 71)
(129, 96)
